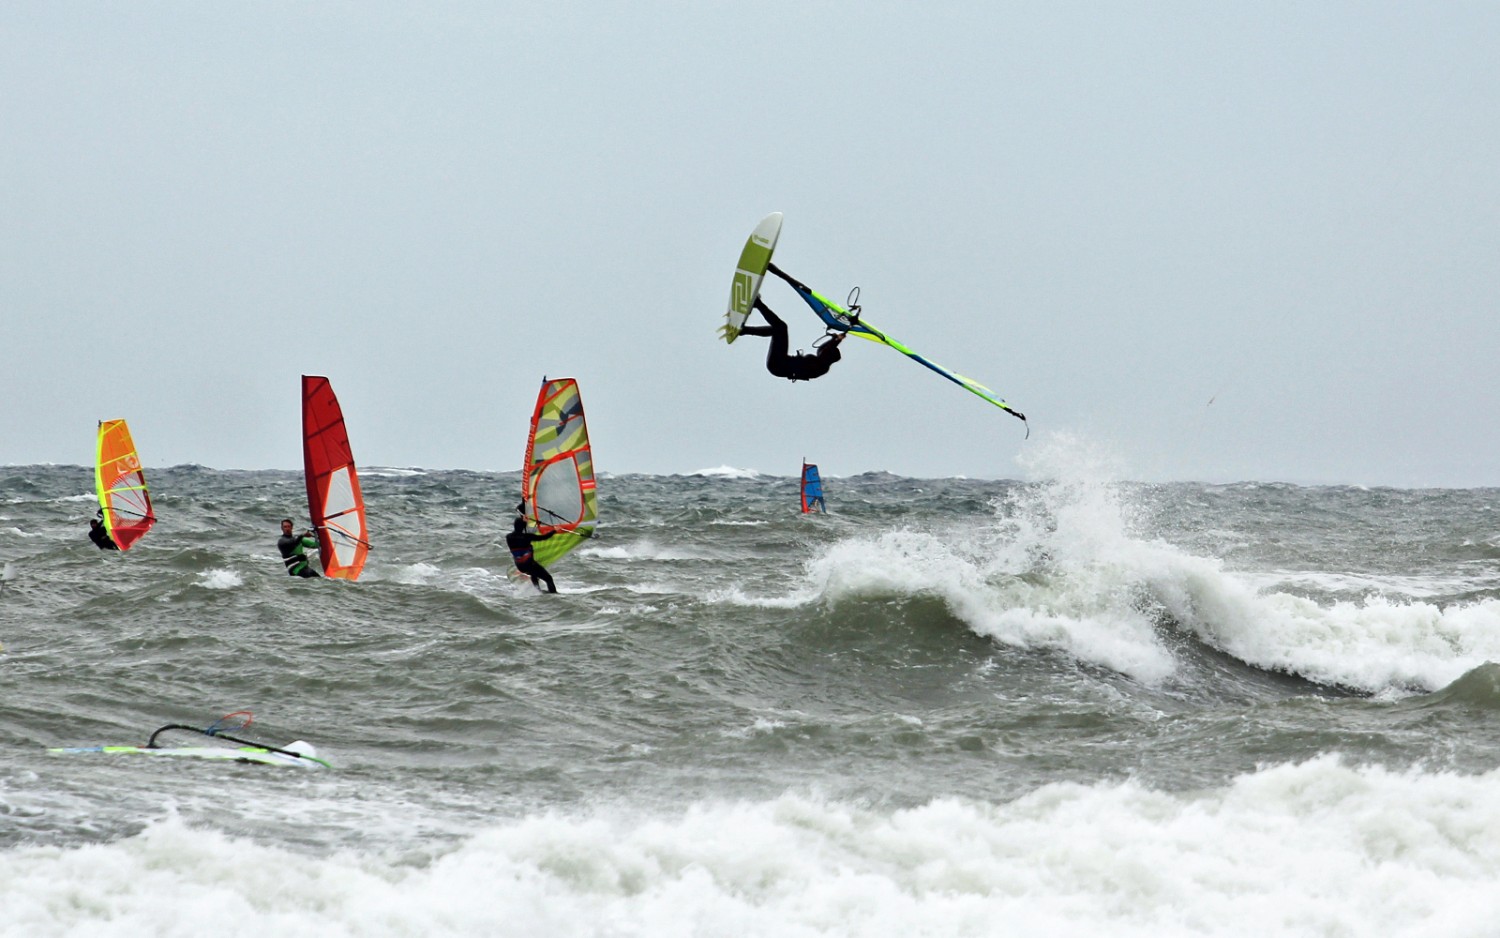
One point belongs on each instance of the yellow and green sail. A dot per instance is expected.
(557, 490)
(838, 318)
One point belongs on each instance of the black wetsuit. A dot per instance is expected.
(798, 367)
(292, 547)
(100, 536)
(519, 543)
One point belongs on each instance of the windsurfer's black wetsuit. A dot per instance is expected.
(100, 536)
(798, 367)
(292, 547)
(519, 543)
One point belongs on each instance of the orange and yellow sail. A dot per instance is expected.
(121, 484)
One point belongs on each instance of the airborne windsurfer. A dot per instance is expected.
(99, 534)
(519, 541)
(293, 550)
(793, 367)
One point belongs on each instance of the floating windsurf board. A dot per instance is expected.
(297, 753)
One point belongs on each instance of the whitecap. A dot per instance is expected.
(1312, 848)
(727, 472)
(219, 579)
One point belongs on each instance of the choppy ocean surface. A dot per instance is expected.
(947, 708)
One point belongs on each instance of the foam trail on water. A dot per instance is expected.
(643, 550)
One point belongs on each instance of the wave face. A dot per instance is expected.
(948, 707)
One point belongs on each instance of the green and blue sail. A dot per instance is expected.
(840, 319)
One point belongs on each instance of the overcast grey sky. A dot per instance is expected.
(1109, 213)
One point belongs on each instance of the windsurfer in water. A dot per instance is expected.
(293, 550)
(519, 540)
(99, 534)
(799, 366)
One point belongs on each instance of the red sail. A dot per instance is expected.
(333, 496)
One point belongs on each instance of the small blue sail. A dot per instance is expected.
(812, 489)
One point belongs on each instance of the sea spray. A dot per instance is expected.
(1081, 529)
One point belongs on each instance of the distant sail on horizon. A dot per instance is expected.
(121, 485)
(334, 499)
(812, 489)
(558, 492)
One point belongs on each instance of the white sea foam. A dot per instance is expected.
(644, 609)
(1084, 619)
(1375, 645)
(763, 726)
(1062, 568)
(219, 579)
(1318, 848)
(727, 472)
(1413, 587)
(738, 597)
(417, 574)
(476, 581)
(652, 589)
(1073, 530)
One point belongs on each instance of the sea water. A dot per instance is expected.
(948, 707)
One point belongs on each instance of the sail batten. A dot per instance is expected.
(334, 499)
(121, 485)
(558, 492)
